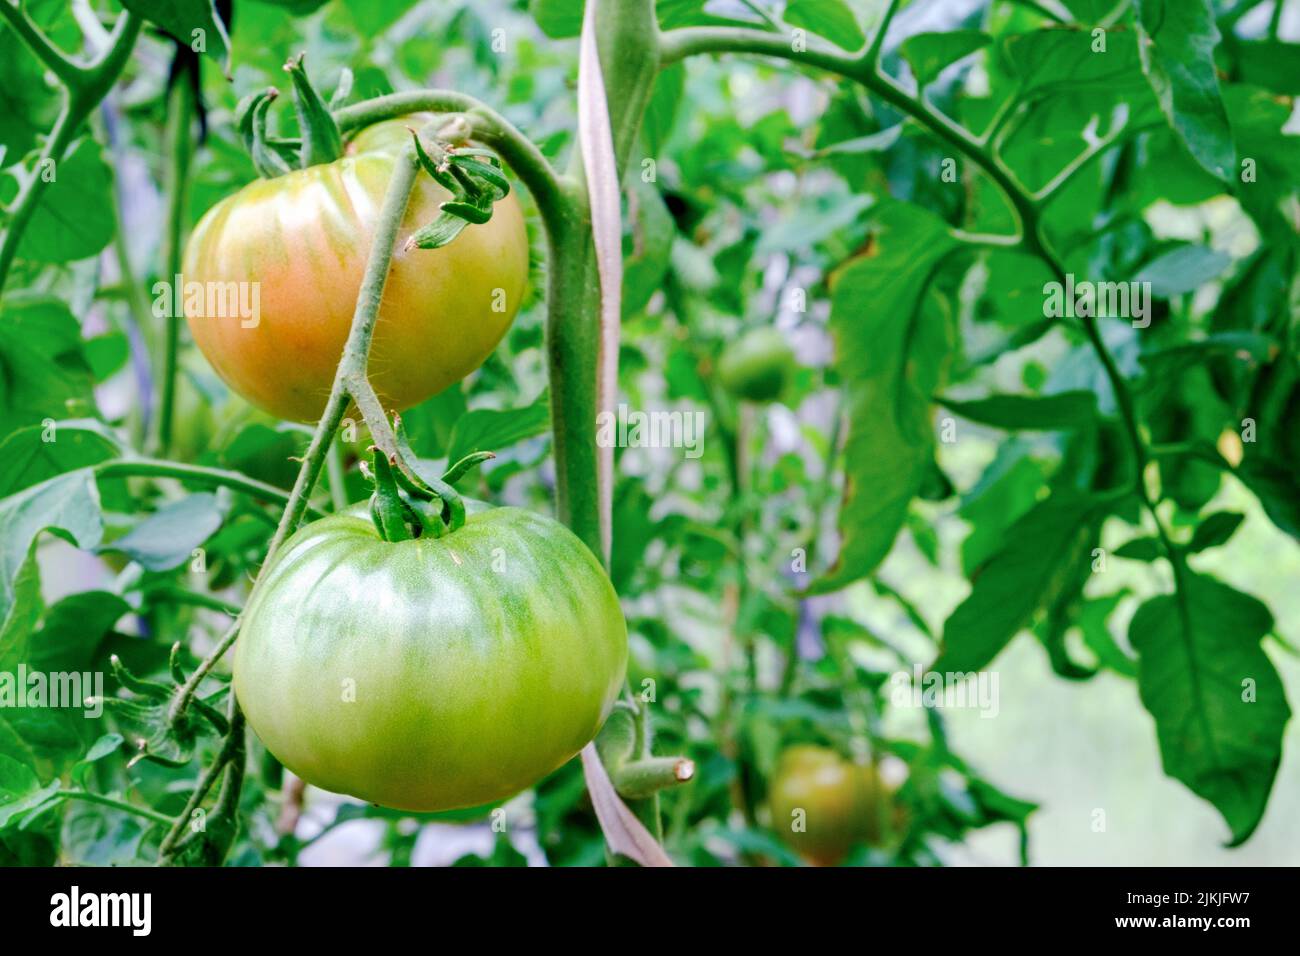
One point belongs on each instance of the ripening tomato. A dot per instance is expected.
(823, 805)
(758, 366)
(280, 262)
(433, 673)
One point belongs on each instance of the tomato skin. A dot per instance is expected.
(477, 662)
(304, 238)
(758, 366)
(841, 801)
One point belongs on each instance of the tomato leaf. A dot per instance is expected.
(1215, 530)
(1176, 41)
(1217, 700)
(488, 429)
(833, 19)
(929, 54)
(167, 538)
(193, 23)
(1075, 409)
(1042, 554)
(891, 350)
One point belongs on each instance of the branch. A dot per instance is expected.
(69, 72)
(199, 474)
(678, 44)
(116, 804)
(488, 127)
(81, 94)
(872, 55)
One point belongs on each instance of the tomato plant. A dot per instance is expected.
(698, 420)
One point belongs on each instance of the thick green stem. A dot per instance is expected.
(52, 58)
(179, 151)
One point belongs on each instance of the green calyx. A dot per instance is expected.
(410, 502)
(475, 181)
(319, 139)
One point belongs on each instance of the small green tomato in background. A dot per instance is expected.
(757, 367)
(434, 673)
(823, 805)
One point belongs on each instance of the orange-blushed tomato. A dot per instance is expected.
(279, 265)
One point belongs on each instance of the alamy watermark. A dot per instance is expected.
(1102, 300)
(60, 690)
(663, 429)
(209, 300)
(946, 690)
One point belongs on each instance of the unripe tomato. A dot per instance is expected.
(304, 238)
(433, 673)
(758, 366)
(841, 803)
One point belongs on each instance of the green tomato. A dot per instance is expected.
(822, 805)
(435, 673)
(758, 366)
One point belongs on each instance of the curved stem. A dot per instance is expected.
(52, 58)
(179, 151)
(200, 474)
(488, 127)
(191, 686)
(116, 804)
(82, 92)
(173, 594)
(678, 44)
(356, 355)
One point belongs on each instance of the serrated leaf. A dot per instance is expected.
(32, 454)
(1039, 558)
(832, 19)
(484, 429)
(1183, 269)
(1214, 530)
(74, 219)
(1140, 549)
(891, 353)
(559, 19)
(166, 538)
(1217, 700)
(190, 22)
(68, 504)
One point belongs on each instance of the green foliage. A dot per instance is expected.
(949, 467)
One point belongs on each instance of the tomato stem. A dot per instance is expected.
(349, 383)
(83, 88)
